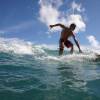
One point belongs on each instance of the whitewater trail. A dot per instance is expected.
(22, 47)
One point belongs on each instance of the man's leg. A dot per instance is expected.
(61, 47)
(60, 51)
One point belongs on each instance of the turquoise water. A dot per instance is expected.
(43, 75)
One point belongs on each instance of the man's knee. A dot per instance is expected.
(61, 48)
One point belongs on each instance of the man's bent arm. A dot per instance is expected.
(77, 43)
(62, 26)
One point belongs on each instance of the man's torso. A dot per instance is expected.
(66, 33)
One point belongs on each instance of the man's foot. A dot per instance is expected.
(60, 53)
(71, 52)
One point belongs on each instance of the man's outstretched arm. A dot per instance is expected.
(77, 43)
(62, 26)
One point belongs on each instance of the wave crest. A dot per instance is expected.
(40, 51)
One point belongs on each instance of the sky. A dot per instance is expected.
(30, 19)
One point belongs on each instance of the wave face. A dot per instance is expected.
(36, 72)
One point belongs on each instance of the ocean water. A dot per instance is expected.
(35, 72)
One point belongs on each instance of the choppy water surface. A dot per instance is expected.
(30, 72)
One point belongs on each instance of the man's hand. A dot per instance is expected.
(80, 51)
(51, 26)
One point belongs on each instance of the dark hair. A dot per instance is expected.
(73, 25)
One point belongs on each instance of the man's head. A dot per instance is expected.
(72, 27)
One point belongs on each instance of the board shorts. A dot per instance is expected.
(67, 43)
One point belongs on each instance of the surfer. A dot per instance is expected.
(65, 34)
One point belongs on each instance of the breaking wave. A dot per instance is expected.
(45, 52)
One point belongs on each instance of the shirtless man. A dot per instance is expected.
(65, 34)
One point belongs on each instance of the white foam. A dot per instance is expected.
(69, 57)
(78, 57)
(15, 45)
(18, 46)
(25, 47)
